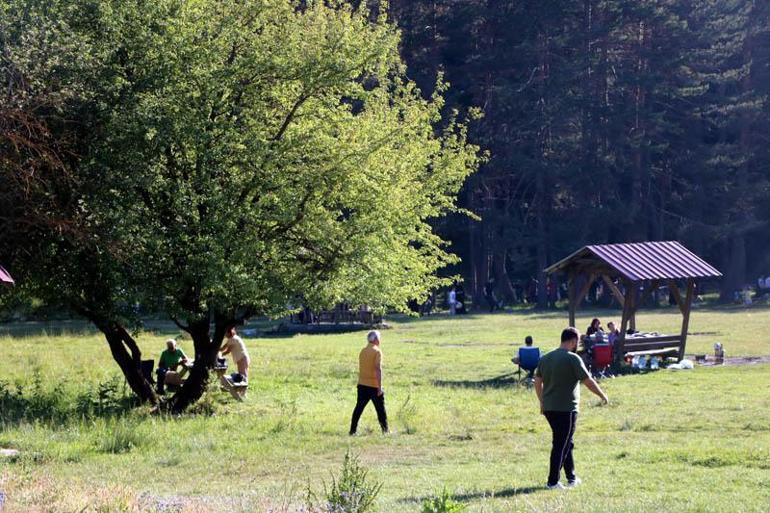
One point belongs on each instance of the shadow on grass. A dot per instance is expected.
(486, 494)
(502, 381)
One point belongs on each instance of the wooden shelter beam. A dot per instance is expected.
(632, 298)
(686, 316)
(677, 295)
(614, 289)
(585, 288)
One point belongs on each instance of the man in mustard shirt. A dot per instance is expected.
(370, 382)
(557, 383)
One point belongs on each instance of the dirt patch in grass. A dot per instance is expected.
(737, 360)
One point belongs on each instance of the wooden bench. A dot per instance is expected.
(673, 351)
(657, 345)
(237, 390)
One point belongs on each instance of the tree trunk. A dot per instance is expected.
(120, 341)
(543, 194)
(206, 349)
(501, 275)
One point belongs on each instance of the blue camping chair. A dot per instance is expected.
(529, 357)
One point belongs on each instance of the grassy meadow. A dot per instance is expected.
(669, 441)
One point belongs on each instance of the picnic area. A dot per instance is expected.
(696, 440)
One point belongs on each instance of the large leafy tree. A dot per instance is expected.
(247, 156)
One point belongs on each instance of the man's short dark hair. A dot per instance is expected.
(569, 334)
(528, 340)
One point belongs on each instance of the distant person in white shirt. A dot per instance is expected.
(234, 345)
(452, 300)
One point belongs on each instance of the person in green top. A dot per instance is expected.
(170, 359)
(557, 384)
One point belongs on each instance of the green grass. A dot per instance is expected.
(669, 441)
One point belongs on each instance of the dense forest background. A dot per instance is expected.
(604, 121)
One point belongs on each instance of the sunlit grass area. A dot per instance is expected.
(687, 441)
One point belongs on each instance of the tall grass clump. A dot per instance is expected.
(407, 415)
(351, 492)
(120, 436)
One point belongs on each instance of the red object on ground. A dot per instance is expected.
(4, 276)
(602, 356)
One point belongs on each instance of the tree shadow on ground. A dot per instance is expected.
(486, 494)
(502, 381)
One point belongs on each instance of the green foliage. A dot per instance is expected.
(353, 491)
(442, 503)
(241, 156)
(108, 399)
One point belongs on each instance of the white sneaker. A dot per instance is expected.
(557, 486)
(574, 482)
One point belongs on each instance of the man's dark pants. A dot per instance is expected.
(563, 425)
(366, 394)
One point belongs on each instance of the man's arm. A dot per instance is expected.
(593, 386)
(378, 373)
(539, 391)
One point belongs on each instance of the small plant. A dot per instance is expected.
(442, 503)
(352, 492)
(406, 415)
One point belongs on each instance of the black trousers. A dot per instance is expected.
(366, 394)
(563, 425)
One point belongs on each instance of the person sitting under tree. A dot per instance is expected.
(169, 362)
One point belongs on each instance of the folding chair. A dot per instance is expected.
(601, 359)
(146, 367)
(529, 357)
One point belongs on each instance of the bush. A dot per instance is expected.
(443, 503)
(351, 493)
(36, 402)
(110, 398)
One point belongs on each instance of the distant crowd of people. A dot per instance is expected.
(760, 290)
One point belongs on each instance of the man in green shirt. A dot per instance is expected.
(557, 383)
(170, 359)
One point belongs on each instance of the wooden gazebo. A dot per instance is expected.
(632, 272)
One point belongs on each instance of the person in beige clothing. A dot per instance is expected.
(370, 383)
(233, 344)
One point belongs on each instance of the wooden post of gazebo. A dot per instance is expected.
(637, 267)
